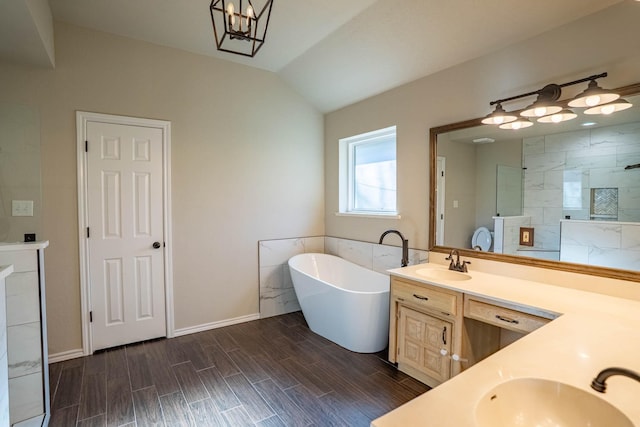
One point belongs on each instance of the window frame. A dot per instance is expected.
(347, 184)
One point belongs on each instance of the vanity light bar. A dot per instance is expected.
(547, 108)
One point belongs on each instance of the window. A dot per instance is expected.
(368, 173)
(572, 190)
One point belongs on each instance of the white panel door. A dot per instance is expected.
(126, 242)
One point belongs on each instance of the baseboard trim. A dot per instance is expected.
(74, 354)
(215, 325)
(66, 355)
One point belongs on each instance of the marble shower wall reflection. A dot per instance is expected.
(602, 243)
(562, 169)
(19, 170)
(277, 295)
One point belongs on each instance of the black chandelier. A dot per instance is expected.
(243, 30)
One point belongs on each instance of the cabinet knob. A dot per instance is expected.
(156, 245)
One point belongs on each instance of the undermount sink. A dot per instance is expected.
(438, 273)
(535, 402)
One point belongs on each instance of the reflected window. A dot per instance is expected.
(572, 190)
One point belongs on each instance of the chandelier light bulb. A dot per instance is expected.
(249, 16)
(556, 118)
(516, 125)
(238, 27)
(498, 120)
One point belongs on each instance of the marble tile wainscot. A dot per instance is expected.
(277, 295)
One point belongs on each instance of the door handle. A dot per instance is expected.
(156, 245)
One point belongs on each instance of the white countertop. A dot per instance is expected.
(593, 332)
(23, 246)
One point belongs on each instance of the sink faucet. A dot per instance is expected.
(598, 383)
(405, 246)
(457, 265)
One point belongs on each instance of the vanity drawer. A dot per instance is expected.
(427, 297)
(501, 316)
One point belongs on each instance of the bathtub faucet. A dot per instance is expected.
(405, 246)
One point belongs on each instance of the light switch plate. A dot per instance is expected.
(22, 207)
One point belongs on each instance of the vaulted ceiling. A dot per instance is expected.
(333, 52)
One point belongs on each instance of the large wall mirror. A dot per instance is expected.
(564, 196)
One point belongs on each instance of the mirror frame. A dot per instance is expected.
(614, 273)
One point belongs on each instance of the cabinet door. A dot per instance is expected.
(420, 339)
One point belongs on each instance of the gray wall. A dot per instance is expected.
(247, 165)
(464, 92)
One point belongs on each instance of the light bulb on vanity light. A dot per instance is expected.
(592, 96)
(518, 124)
(499, 116)
(561, 116)
(592, 101)
(610, 108)
(540, 109)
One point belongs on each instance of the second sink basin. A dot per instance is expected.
(440, 273)
(536, 402)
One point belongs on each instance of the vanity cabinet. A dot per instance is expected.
(428, 320)
(28, 376)
(424, 323)
(491, 313)
(421, 338)
(491, 325)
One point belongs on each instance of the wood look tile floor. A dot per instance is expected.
(269, 372)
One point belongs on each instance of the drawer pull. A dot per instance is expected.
(507, 319)
(421, 297)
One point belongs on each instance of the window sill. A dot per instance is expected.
(391, 215)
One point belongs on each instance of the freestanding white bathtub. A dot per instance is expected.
(342, 301)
